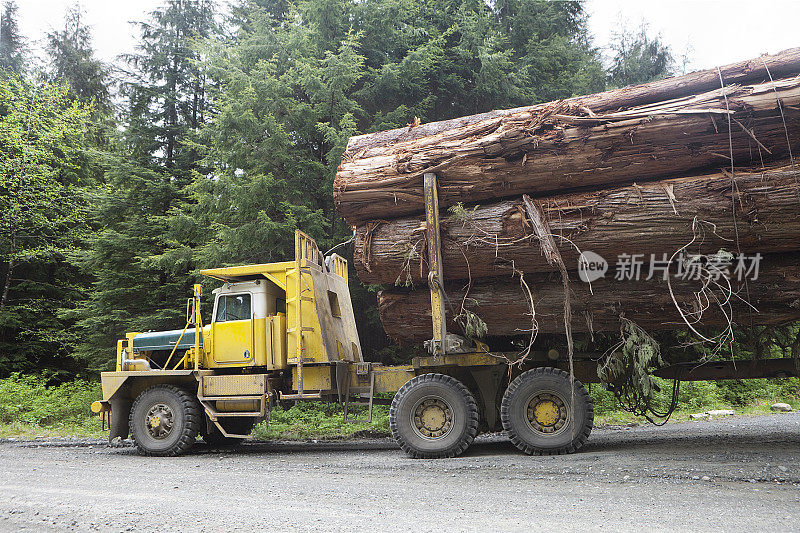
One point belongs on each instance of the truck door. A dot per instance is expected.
(232, 329)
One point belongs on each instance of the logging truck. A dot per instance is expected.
(285, 331)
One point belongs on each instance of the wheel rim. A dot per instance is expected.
(432, 418)
(159, 421)
(546, 413)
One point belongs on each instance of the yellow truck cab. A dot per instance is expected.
(248, 325)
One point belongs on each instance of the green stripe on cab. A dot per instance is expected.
(164, 340)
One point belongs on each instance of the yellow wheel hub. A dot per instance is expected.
(547, 413)
(432, 418)
(159, 421)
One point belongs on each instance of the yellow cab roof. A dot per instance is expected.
(272, 271)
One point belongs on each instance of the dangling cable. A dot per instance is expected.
(733, 175)
(785, 128)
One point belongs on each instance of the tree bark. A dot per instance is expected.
(561, 146)
(504, 306)
(7, 284)
(656, 217)
(10, 271)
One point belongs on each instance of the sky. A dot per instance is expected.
(715, 32)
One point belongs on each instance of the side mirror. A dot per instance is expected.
(190, 311)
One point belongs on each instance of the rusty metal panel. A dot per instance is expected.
(391, 378)
(316, 377)
(334, 309)
(461, 359)
(242, 385)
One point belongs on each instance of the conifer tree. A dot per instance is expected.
(137, 286)
(72, 61)
(12, 43)
(639, 58)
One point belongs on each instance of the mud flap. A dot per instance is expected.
(120, 412)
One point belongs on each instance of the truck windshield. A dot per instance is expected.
(233, 307)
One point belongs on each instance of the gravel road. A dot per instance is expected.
(731, 474)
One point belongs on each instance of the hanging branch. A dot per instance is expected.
(542, 231)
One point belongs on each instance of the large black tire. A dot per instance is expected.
(537, 415)
(433, 416)
(165, 421)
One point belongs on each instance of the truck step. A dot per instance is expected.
(210, 398)
(304, 396)
(223, 414)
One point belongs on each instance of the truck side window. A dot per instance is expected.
(234, 307)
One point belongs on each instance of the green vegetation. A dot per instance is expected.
(639, 58)
(311, 420)
(752, 396)
(29, 408)
(45, 189)
(13, 47)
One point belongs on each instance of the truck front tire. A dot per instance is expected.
(542, 416)
(165, 421)
(433, 416)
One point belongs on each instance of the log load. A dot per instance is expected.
(503, 304)
(656, 217)
(565, 145)
(757, 70)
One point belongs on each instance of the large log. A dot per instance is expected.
(503, 304)
(562, 146)
(656, 217)
(757, 70)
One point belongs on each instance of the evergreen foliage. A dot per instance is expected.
(138, 287)
(639, 58)
(71, 61)
(12, 43)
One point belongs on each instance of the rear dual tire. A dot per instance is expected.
(542, 415)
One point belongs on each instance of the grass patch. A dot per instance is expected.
(29, 408)
(751, 396)
(21, 430)
(315, 420)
